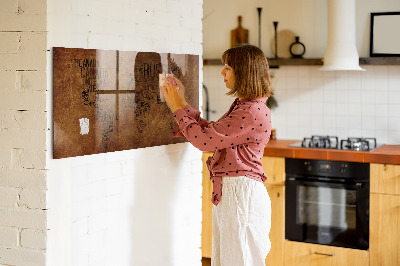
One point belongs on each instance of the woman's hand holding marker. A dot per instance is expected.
(174, 93)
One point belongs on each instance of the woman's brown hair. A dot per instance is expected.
(250, 66)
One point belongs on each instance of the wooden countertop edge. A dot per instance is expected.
(386, 154)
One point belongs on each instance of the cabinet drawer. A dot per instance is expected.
(305, 254)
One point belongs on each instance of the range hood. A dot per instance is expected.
(341, 51)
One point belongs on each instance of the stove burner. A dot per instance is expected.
(358, 144)
(332, 142)
(328, 142)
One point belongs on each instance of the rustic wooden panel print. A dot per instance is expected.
(106, 100)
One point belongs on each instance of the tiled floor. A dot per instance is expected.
(206, 261)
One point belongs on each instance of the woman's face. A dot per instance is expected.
(229, 76)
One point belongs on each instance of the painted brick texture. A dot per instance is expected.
(100, 205)
(134, 207)
(23, 218)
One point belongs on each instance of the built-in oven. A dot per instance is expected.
(327, 202)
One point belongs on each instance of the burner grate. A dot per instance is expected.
(327, 142)
(358, 144)
(332, 142)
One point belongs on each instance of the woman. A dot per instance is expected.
(242, 208)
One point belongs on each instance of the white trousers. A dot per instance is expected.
(241, 223)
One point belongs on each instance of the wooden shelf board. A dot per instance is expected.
(380, 61)
(273, 62)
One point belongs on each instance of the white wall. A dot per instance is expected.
(134, 207)
(311, 102)
(305, 18)
(23, 132)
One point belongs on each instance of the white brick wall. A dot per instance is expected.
(23, 132)
(33, 239)
(9, 237)
(135, 207)
(100, 206)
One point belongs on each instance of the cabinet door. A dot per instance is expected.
(384, 230)
(385, 178)
(277, 233)
(304, 254)
(206, 232)
(274, 168)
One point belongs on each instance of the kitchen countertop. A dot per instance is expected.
(389, 154)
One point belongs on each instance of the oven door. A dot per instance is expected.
(327, 213)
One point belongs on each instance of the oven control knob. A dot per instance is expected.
(343, 168)
(308, 166)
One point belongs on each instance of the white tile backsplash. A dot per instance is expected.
(329, 109)
(394, 110)
(381, 97)
(367, 96)
(382, 110)
(367, 123)
(394, 97)
(342, 96)
(292, 83)
(382, 136)
(343, 103)
(394, 137)
(342, 109)
(381, 71)
(394, 123)
(342, 123)
(393, 71)
(367, 110)
(381, 84)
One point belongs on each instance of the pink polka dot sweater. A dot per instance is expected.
(238, 139)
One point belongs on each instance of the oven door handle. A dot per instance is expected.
(352, 185)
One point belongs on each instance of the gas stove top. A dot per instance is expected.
(332, 142)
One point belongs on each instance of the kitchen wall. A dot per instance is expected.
(343, 103)
(133, 207)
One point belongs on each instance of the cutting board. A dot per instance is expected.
(239, 35)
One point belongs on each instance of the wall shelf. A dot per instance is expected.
(274, 63)
(380, 61)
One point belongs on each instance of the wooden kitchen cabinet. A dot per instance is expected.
(274, 168)
(206, 225)
(277, 233)
(385, 178)
(305, 254)
(384, 237)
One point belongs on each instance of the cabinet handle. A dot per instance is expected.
(324, 254)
